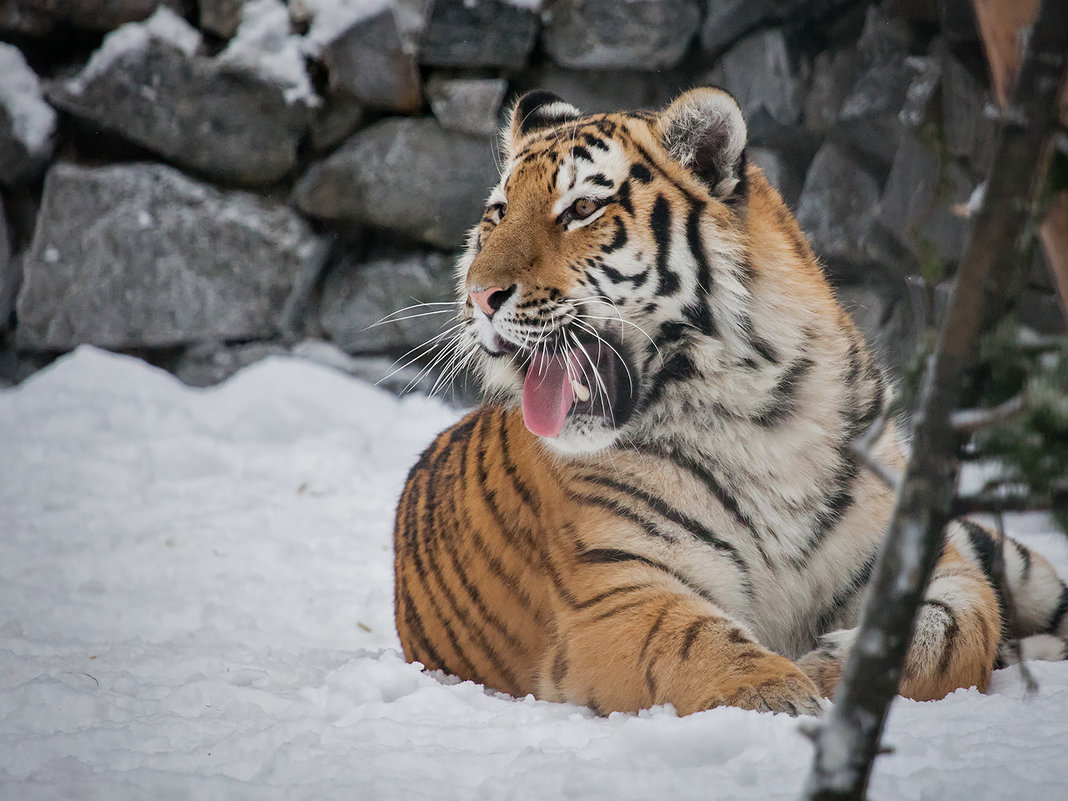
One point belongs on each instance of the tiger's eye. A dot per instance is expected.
(584, 207)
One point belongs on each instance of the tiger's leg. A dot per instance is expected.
(1039, 598)
(954, 643)
(638, 641)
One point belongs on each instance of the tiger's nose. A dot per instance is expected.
(490, 300)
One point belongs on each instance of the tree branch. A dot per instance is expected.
(848, 740)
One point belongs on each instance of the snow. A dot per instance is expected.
(331, 18)
(163, 25)
(263, 43)
(196, 602)
(33, 121)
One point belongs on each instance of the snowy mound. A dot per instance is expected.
(196, 602)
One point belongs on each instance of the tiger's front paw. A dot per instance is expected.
(824, 663)
(782, 688)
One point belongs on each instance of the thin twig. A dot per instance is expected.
(862, 446)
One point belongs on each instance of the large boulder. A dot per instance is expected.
(477, 33)
(368, 303)
(757, 71)
(468, 105)
(838, 207)
(924, 204)
(605, 34)
(870, 114)
(237, 118)
(140, 255)
(368, 60)
(27, 122)
(410, 176)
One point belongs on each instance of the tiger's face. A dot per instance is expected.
(594, 258)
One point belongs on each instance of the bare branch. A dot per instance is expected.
(968, 421)
(862, 446)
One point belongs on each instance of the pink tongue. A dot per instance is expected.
(547, 395)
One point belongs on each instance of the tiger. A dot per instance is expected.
(659, 501)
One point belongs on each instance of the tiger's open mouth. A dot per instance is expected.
(588, 377)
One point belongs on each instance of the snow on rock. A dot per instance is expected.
(164, 25)
(264, 44)
(197, 603)
(239, 117)
(330, 18)
(27, 122)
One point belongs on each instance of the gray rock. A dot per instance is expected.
(209, 363)
(605, 34)
(920, 107)
(757, 72)
(468, 105)
(407, 175)
(838, 207)
(335, 120)
(833, 73)
(140, 255)
(101, 15)
(368, 61)
(921, 204)
(477, 33)
(366, 303)
(870, 114)
(969, 131)
(779, 172)
(221, 17)
(596, 91)
(222, 118)
(17, 16)
(726, 21)
(27, 122)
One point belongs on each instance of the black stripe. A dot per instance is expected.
(471, 624)
(952, 631)
(579, 152)
(617, 508)
(654, 629)
(1025, 557)
(623, 198)
(983, 544)
(599, 179)
(615, 610)
(640, 173)
(690, 637)
(1059, 612)
(717, 491)
(616, 555)
(830, 613)
(559, 669)
(688, 523)
(660, 224)
(619, 238)
(783, 400)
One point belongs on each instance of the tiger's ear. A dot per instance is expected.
(704, 131)
(534, 111)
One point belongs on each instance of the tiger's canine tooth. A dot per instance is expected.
(581, 391)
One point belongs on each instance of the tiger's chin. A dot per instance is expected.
(577, 401)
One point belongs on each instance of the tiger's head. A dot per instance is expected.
(592, 267)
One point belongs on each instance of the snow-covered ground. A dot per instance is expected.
(196, 602)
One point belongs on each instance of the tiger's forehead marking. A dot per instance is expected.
(583, 155)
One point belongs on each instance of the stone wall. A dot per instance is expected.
(205, 182)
